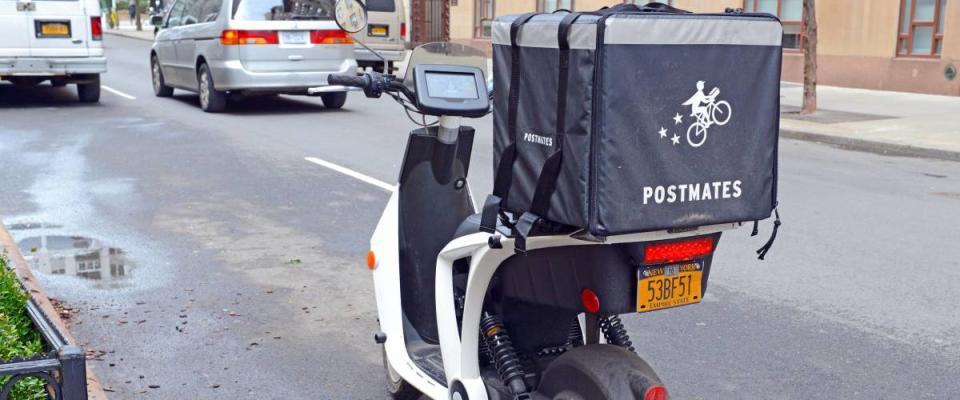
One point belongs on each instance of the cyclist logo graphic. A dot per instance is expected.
(706, 111)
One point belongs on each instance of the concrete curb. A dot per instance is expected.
(870, 146)
(130, 35)
(94, 389)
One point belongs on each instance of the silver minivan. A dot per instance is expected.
(219, 48)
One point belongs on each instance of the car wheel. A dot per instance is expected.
(160, 88)
(211, 99)
(89, 92)
(334, 101)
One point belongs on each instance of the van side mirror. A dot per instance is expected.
(156, 20)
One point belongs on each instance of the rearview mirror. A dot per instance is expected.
(351, 15)
(156, 20)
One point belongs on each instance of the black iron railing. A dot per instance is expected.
(63, 368)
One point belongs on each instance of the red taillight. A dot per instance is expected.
(590, 301)
(656, 393)
(656, 253)
(234, 37)
(96, 28)
(334, 36)
(403, 30)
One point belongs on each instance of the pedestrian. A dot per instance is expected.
(133, 12)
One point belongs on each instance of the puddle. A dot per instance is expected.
(79, 257)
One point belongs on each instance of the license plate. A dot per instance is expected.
(378, 31)
(53, 29)
(666, 286)
(294, 37)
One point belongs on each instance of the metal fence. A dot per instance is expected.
(63, 368)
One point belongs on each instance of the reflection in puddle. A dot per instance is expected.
(76, 256)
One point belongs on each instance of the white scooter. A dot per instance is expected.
(463, 316)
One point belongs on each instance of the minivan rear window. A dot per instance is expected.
(282, 10)
(381, 5)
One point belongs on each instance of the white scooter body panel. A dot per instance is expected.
(386, 280)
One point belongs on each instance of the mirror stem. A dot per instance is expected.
(386, 64)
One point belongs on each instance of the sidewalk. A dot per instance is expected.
(893, 123)
(128, 29)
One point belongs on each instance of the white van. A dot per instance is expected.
(386, 33)
(56, 40)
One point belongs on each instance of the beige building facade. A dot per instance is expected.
(900, 45)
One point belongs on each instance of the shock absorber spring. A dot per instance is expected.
(614, 332)
(505, 358)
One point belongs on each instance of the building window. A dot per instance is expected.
(921, 27)
(790, 13)
(554, 5)
(483, 18)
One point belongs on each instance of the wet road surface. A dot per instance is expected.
(203, 254)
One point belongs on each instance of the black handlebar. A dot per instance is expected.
(360, 81)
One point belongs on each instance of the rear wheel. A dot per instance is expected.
(211, 99)
(89, 91)
(599, 372)
(160, 88)
(398, 388)
(334, 100)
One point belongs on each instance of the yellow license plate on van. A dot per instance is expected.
(378, 31)
(54, 29)
(667, 286)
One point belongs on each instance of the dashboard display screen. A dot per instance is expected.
(451, 85)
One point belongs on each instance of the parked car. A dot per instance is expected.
(220, 48)
(386, 33)
(53, 40)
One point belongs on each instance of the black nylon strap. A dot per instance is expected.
(504, 173)
(547, 181)
(501, 185)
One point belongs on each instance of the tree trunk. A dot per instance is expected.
(809, 58)
(137, 11)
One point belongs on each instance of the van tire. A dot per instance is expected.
(89, 92)
(160, 88)
(211, 99)
(334, 101)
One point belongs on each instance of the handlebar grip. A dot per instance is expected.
(359, 81)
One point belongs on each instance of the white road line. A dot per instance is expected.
(117, 92)
(353, 174)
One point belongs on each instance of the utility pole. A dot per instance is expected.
(809, 58)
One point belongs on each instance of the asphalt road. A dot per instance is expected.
(245, 274)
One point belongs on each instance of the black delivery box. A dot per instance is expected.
(666, 120)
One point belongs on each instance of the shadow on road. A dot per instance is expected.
(40, 96)
(263, 105)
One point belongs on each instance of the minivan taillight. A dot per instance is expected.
(403, 30)
(96, 28)
(333, 36)
(684, 250)
(235, 37)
